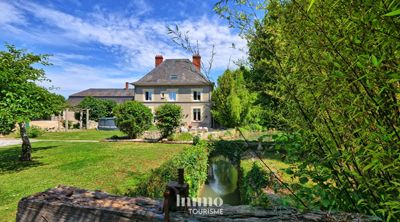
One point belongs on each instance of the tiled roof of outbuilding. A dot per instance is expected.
(105, 93)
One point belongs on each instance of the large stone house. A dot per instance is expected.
(177, 81)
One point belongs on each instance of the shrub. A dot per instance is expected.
(195, 162)
(32, 131)
(252, 186)
(133, 118)
(169, 118)
(196, 139)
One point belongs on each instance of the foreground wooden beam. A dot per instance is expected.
(71, 204)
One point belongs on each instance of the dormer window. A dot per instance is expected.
(174, 77)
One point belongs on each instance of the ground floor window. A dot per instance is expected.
(197, 114)
(148, 96)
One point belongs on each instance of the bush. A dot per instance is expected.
(169, 118)
(251, 189)
(196, 139)
(35, 131)
(32, 131)
(133, 118)
(193, 159)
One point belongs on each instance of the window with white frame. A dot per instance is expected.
(196, 95)
(196, 114)
(172, 96)
(148, 95)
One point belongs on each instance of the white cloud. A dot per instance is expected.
(10, 14)
(132, 39)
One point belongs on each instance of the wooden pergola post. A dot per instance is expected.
(66, 119)
(59, 121)
(87, 118)
(80, 119)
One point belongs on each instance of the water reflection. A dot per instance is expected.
(222, 181)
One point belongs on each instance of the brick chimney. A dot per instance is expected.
(197, 61)
(159, 59)
(126, 85)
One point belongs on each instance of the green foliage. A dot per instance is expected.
(98, 108)
(35, 131)
(253, 183)
(196, 139)
(232, 102)
(194, 160)
(181, 137)
(333, 68)
(169, 118)
(7, 123)
(133, 118)
(32, 131)
(21, 99)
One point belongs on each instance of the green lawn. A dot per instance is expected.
(112, 167)
(81, 135)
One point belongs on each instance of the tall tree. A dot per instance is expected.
(335, 69)
(21, 99)
(232, 103)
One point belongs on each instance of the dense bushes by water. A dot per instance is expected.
(193, 159)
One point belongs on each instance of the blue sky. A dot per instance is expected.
(103, 44)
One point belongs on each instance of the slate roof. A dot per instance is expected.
(105, 93)
(185, 71)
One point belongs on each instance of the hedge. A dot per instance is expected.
(193, 159)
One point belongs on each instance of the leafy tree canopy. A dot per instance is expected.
(98, 107)
(169, 118)
(333, 66)
(133, 118)
(233, 104)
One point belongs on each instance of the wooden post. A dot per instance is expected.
(66, 120)
(80, 119)
(59, 121)
(87, 118)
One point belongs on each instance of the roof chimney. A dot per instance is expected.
(197, 61)
(126, 85)
(159, 59)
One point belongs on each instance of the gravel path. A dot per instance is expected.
(8, 142)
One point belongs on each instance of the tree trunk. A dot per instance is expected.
(26, 144)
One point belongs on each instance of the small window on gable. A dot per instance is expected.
(174, 77)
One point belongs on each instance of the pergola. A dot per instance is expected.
(82, 112)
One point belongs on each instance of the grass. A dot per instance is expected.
(112, 167)
(181, 137)
(80, 135)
